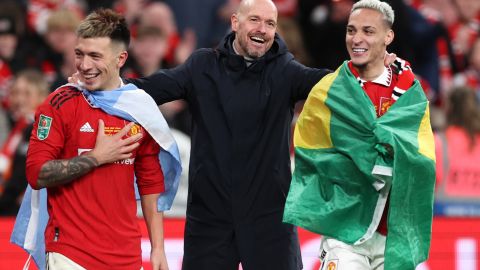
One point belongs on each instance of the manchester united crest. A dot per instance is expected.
(134, 130)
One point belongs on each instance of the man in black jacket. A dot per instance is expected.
(241, 96)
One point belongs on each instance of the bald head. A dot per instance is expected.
(254, 24)
(245, 6)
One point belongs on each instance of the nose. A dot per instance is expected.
(85, 63)
(262, 27)
(356, 38)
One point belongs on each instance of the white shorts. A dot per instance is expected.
(337, 255)
(56, 261)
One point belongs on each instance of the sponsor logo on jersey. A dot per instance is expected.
(86, 128)
(110, 131)
(127, 161)
(135, 129)
(44, 125)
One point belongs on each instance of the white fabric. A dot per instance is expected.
(338, 255)
(56, 261)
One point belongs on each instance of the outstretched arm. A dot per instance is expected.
(107, 149)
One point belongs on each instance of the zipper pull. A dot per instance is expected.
(57, 232)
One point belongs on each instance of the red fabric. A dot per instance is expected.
(470, 78)
(471, 28)
(463, 175)
(381, 97)
(173, 41)
(95, 215)
(11, 144)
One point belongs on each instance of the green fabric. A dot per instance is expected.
(332, 190)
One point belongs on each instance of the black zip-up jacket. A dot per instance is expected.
(240, 161)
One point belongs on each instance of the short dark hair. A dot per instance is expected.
(105, 23)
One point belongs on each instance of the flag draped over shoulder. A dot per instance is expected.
(348, 161)
(127, 102)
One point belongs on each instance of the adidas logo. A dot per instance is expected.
(86, 128)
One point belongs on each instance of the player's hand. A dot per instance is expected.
(109, 149)
(158, 259)
(389, 59)
(75, 78)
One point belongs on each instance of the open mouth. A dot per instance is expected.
(89, 76)
(258, 40)
(359, 50)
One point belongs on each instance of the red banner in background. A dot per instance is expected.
(455, 245)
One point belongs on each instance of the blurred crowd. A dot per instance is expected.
(440, 38)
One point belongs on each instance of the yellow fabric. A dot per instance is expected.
(317, 136)
(426, 143)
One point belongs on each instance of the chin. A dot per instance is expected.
(359, 64)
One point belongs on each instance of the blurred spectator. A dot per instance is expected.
(96, 4)
(60, 38)
(458, 156)
(464, 30)
(323, 24)
(420, 31)
(130, 9)
(203, 17)
(147, 52)
(8, 44)
(12, 47)
(38, 12)
(471, 76)
(160, 15)
(289, 30)
(28, 91)
(286, 8)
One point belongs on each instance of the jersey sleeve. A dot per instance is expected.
(148, 170)
(47, 138)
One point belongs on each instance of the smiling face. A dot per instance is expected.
(367, 38)
(254, 25)
(98, 62)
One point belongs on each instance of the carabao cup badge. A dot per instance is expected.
(44, 125)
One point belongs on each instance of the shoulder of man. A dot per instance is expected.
(62, 95)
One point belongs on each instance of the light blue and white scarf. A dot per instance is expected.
(129, 103)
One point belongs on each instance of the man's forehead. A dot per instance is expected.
(100, 42)
(260, 8)
(366, 17)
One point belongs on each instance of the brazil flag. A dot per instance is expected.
(348, 162)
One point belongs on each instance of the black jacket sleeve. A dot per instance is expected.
(303, 79)
(166, 84)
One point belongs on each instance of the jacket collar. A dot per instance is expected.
(237, 62)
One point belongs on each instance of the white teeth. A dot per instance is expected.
(89, 76)
(257, 39)
(359, 50)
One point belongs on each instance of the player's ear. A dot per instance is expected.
(122, 58)
(389, 37)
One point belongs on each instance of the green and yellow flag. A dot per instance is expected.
(348, 161)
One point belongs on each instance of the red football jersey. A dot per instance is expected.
(93, 218)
